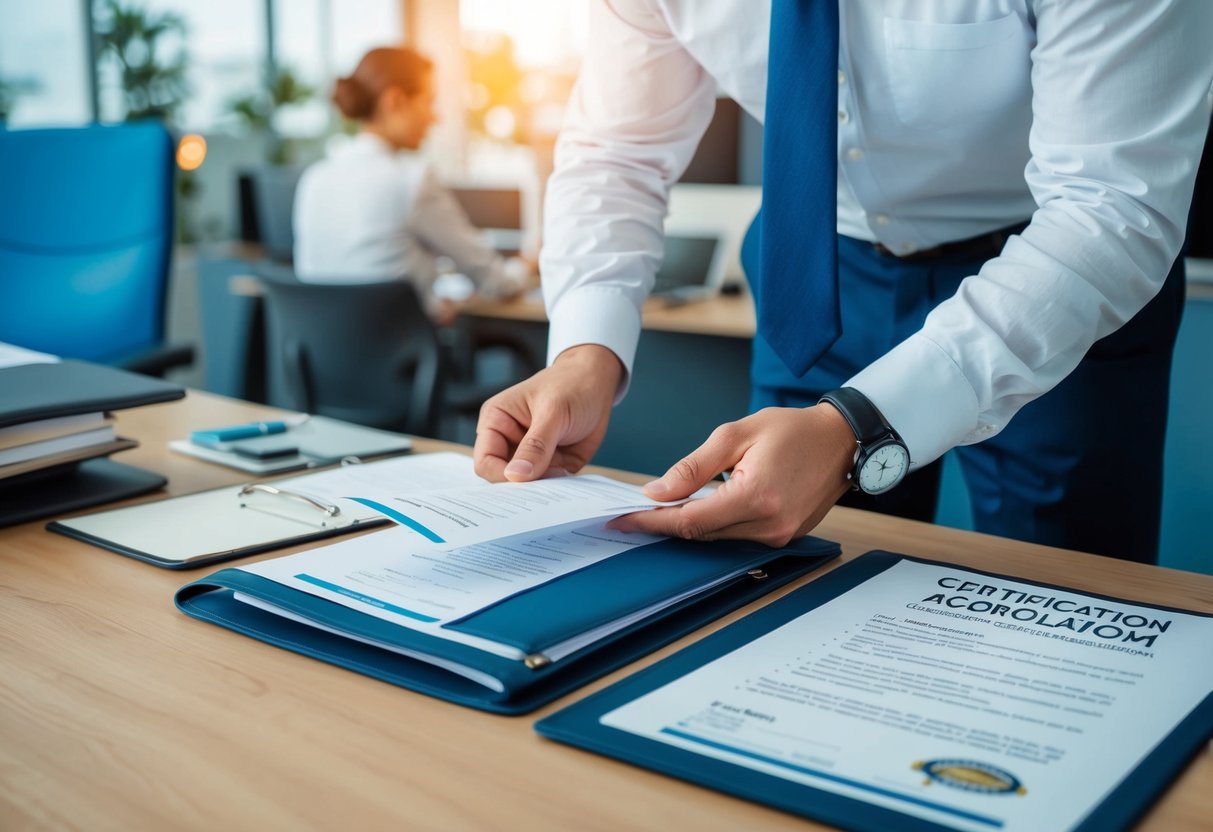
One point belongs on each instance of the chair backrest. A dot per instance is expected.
(363, 352)
(86, 229)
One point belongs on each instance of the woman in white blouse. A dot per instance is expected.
(374, 208)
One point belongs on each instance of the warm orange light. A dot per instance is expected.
(191, 152)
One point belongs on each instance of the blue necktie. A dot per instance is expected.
(798, 293)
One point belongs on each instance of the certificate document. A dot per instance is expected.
(971, 701)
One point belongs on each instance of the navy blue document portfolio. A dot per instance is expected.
(624, 587)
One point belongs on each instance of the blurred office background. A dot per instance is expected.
(244, 87)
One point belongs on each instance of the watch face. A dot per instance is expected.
(884, 468)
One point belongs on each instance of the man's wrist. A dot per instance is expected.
(595, 360)
(841, 437)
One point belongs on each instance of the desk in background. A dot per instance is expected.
(692, 373)
(117, 709)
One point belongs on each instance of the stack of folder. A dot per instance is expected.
(56, 435)
(46, 443)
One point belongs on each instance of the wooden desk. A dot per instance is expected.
(724, 316)
(117, 711)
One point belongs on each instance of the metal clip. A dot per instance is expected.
(328, 509)
(536, 660)
(758, 574)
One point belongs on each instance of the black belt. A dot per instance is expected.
(988, 245)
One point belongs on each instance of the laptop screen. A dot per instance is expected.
(688, 261)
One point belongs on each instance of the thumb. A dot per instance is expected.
(692, 472)
(534, 454)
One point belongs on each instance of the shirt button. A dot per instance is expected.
(854, 154)
(842, 77)
(882, 219)
(843, 118)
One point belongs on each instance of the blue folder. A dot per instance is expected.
(530, 621)
(579, 725)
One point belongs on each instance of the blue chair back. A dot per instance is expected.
(86, 230)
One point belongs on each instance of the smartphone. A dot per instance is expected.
(265, 447)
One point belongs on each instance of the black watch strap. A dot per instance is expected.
(865, 420)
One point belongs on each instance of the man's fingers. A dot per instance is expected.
(496, 435)
(534, 454)
(720, 452)
(490, 454)
(697, 520)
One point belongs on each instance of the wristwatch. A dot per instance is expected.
(881, 458)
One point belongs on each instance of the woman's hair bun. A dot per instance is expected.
(351, 99)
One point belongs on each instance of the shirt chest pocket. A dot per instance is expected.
(940, 74)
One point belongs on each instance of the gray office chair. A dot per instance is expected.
(362, 352)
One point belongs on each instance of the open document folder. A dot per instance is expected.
(503, 623)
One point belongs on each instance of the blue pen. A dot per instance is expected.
(216, 436)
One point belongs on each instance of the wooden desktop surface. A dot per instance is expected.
(729, 316)
(118, 712)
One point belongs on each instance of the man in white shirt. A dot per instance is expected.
(1013, 184)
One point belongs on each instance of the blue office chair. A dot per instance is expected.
(86, 231)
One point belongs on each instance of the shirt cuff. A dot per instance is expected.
(923, 395)
(596, 315)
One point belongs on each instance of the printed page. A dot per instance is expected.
(399, 475)
(457, 517)
(973, 702)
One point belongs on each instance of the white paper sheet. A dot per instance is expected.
(456, 517)
(417, 473)
(14, 356)
(977, 703)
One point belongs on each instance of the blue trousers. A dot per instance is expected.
(1079, 468)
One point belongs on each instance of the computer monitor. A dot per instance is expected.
(693, 266)
(497, 212)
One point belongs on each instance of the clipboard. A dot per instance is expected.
(234, 521)
(580, 725)
(221, 524)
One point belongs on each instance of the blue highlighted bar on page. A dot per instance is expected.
(402, 519)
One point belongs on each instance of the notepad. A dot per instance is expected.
(319, 441)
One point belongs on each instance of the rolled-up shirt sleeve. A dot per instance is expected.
(1120, 110)
(636, 114)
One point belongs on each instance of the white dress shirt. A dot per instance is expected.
(954, 119)
(369, 212)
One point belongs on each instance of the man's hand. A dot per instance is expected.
(551, 423)
(789, 466)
